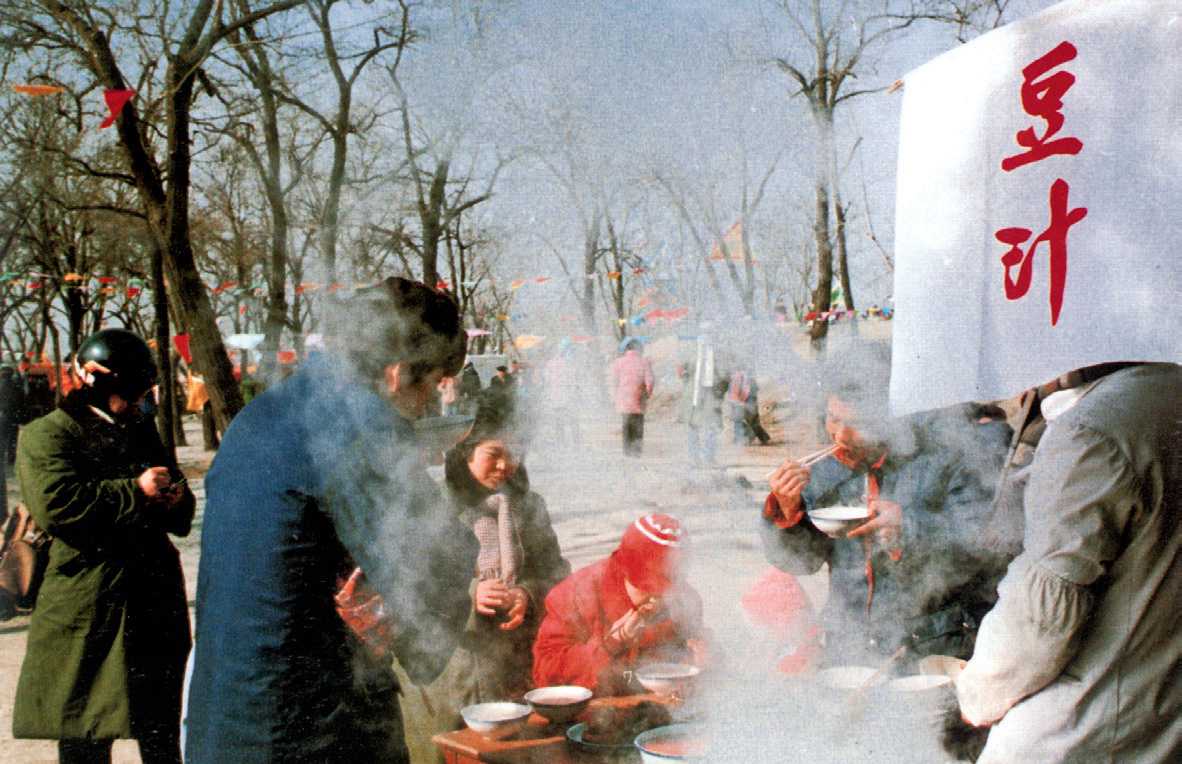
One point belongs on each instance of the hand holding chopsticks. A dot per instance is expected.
(789, 480)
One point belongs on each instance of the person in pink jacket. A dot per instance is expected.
(632, 383)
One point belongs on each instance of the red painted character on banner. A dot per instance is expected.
(1055, 237)
(1042, 96)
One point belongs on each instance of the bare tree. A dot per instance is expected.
(346, 67)
(836, 41)
(437, 206)
(699, 211)
(84, 30)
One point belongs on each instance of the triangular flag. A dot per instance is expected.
(116, 100)
(181, 343)
(733, 239)
(517, 284)
(541, 279)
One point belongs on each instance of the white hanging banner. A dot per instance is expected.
(1037, 226)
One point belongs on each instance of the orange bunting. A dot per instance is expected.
(38, 90)
(541, 279)
(334, 286)
(733, 240)
(517, 284)
(73, 277)
(613, 274)
(502, 317)
(307, 286)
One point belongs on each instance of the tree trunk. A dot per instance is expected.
(209, 354)
(431, 220)
(178, 404)
(843, 268)
(330, 219)
(587, 301)
(824, 288)
(166, 410)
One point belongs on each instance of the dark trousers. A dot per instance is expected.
(633, 434)
(156, 749)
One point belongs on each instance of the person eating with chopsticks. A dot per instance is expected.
(615, 615)
(904, 573)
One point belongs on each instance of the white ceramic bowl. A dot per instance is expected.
(849, 677)
(835, 522)
(674, 742)
(495, 721)
(559, 703)
(920, 683)
(941, 664)
(667, 678)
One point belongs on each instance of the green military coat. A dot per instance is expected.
(110, 632)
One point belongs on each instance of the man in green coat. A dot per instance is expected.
(110, 633)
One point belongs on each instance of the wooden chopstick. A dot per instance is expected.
(810, 459)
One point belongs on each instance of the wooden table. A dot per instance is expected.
(539, 743)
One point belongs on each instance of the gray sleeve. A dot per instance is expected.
(1081, 496)
(801, 549)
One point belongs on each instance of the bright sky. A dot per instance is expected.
(679, 86)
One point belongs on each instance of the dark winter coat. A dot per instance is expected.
(930, 596)
(110, 634)
(502, 659)
(315, 475)
(492, 664)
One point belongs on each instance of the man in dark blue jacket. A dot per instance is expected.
(914, 574)
(317, 475)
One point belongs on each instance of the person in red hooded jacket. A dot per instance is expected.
(624, 611)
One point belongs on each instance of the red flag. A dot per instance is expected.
(116, 100)
(133, 291)
(107, 279)
(181, 343)
(441, 285)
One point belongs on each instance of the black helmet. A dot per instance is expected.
(125, 355)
